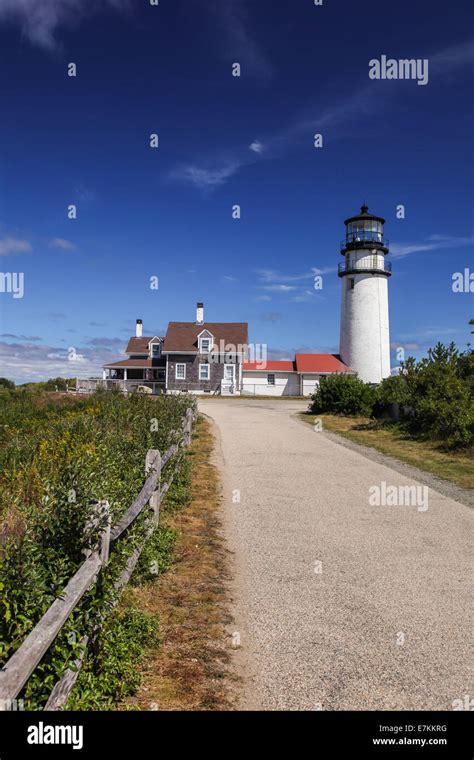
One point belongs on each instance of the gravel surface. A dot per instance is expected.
(339, 605)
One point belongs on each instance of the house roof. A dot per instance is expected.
(139, 345)
(182, 337)
(131, 363)
(272, 366)
(320, 363)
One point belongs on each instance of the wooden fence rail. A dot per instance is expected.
(16, 672)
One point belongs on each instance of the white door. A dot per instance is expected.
(228, 383)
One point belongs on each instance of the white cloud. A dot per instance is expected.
(279, 288)
(306, 295)
(63, 244)
(29, 362)
(9, 246)
(432, 243)
(40, 19)
(256, 146)
(204, 178)
(273, 275)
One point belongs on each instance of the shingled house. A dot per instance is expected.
(193, 357)
(144, 365)
(212, 357)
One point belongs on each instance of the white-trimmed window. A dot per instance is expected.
(204, 372)
(180, 372)
(155, 350)
(271, 379)
(205, 345)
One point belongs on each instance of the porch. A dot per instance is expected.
(91, 385)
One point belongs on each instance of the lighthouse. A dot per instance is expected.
(365, 340)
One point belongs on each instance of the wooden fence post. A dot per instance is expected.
(104, 510)
(96, 520)
(153, 461)
(188, 427)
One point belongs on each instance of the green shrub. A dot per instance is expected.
(112, 674)
(57, 460)
(437, 392)
(343, 394)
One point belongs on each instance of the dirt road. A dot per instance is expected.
(341, 603)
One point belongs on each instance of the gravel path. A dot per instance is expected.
(339, 605)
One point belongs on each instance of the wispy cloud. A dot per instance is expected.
(336, 117)
(27, 338)
(40, 19)
(204, 177)
(10, 246)
(112, 343)
(431, 243)
(280, 288)
(29, 361)
(237, 41)
(278, 283)
(62, 244)
(305, 295)
(273, 275)
(256, 147)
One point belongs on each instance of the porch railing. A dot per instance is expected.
(127, 386)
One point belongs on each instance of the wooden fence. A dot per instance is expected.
(19, 668)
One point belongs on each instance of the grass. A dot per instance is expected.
(190, 668)
(390, 439)
(58, 457)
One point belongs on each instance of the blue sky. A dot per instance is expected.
(223, 140)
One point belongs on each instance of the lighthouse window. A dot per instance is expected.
(352, 283)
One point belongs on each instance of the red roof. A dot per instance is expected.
(320, 363)
(273, 366)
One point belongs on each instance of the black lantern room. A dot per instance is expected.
(364, 231)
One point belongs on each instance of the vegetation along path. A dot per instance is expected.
(345, 598)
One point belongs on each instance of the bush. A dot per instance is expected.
(57, 459)
(343, 394)
(438, 390)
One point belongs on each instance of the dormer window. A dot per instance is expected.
(206, 342)
(155, 350)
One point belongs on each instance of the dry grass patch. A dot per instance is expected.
(455, 466)
(190, 670)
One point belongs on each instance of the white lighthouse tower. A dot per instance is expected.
(365, 341)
